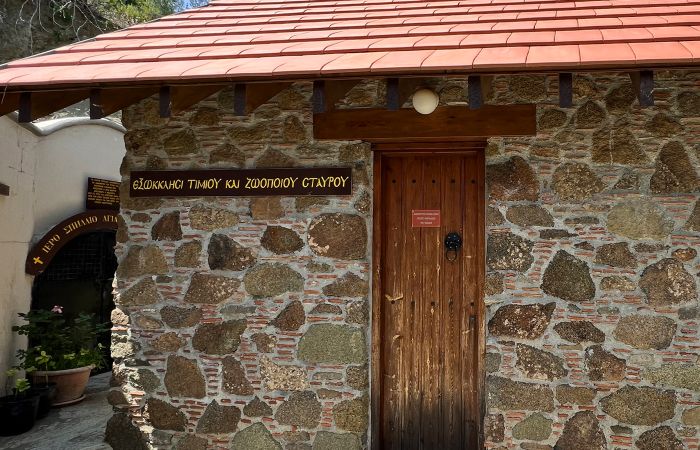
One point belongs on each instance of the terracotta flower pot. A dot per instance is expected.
(70, 383)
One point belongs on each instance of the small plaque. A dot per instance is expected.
(102, 194)
(425, 218)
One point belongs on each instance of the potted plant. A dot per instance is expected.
(18, 411)
(65, 349)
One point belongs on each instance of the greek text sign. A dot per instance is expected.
(102, 194)
(425, 218)
(241, 183)
(43, 251)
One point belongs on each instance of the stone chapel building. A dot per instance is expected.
(515, 268)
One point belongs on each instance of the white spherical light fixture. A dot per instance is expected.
(425, 101)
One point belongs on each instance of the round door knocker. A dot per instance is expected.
(453, 242)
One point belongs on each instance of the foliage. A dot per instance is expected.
(129, 12)
(32, 26)
(57, 343)
(21, 385)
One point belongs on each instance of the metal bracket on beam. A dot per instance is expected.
(318, 98)
(239, 99)
(566, 90)
(643, 85)
(164, 102)
(4, 190)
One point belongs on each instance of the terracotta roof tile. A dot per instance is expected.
(605, 55)
(353, 63)
(406, 60)
(486, 39)
(626, 34)
(530, 37)
(543, 56)
(501, 57)
(451, 60)
(659, 52)
(577, 36)
(694, 48)
(259, 39)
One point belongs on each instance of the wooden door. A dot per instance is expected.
(428, 310)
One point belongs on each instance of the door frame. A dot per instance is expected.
(408, 148)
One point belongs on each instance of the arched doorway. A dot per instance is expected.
(79, 278)
(74, 265)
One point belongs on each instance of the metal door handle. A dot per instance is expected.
(453, 242)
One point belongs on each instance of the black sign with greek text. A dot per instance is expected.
(102, 194)
(317, 181)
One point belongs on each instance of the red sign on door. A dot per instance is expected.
(425, 218)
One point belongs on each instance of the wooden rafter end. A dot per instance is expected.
(643, 85)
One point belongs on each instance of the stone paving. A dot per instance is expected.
(74, 427)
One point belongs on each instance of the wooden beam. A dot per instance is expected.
(336, 90)
(164, 102)
(4, 190)
(9, 101)
(646, 88)
(318, 97)
(392, 94)
(96, 111)
(182, 97)
(475, 95)
(643, 85)
(478, 90)
(239, 99)
(34, 105)
(260, 93)
(248, 97)
(326, 93)
(566, 90)
(447, 122)
(25, 107)
(104, 102)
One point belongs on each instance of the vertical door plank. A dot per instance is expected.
(480, 269)
(376, 311)
(453, 298)
(471, 286)
(431, 264)
(412, 370)
(391, 308)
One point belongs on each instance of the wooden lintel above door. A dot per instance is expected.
(446, 123)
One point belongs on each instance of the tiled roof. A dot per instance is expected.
(256, 40)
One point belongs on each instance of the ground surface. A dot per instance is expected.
(74, 427)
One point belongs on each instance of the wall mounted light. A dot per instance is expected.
(425, 101)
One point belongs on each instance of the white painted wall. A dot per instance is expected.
(46, 166)
(65, 160)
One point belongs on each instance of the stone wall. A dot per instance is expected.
(244, 322)
(592, 266)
